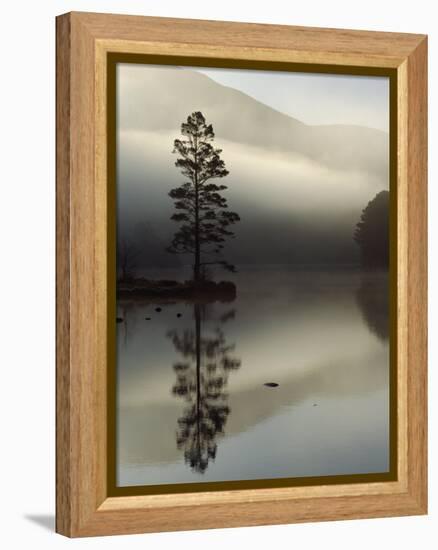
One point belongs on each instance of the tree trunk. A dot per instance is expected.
(197, 264)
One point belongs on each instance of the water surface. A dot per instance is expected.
(192, 404)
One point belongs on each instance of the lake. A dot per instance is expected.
(192, 399)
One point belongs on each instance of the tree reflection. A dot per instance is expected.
(372, 297)
(201, 380)
(126, 311)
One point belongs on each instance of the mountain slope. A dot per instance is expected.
(167, 95)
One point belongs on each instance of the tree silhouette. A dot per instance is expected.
(127, 255)
(372, 297)
(201, 381)
(372, 232)
(201, 209)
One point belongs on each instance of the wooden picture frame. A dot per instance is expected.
(84, 43)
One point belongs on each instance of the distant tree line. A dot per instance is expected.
(372, 232)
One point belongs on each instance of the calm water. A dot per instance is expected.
(192, 404)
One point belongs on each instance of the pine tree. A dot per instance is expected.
(201, 209)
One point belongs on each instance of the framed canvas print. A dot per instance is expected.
(241, 274)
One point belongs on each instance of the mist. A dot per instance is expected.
(299, 189)
(294, 209)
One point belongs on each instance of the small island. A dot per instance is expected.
(223, 291)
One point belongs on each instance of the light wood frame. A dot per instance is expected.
(83, 42)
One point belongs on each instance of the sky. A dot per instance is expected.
(315, 98)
